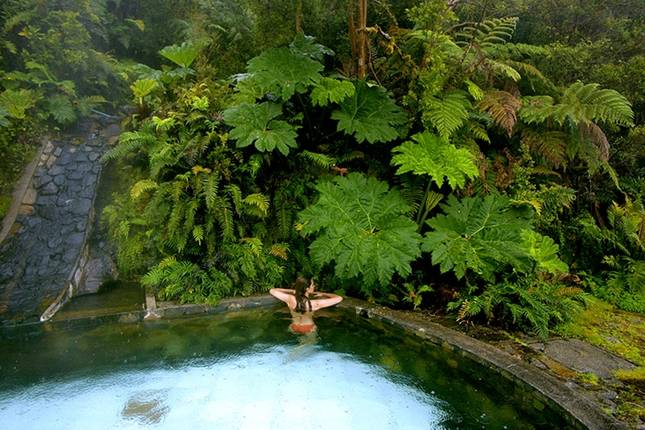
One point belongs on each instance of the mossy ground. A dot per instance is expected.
(603, 325)
(622, 333)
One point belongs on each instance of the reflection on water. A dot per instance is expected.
(246, 370)
(260, 390)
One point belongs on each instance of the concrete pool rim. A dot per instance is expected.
(578, 410)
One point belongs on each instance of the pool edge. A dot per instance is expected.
(580, 411)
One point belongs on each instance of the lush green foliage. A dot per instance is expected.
(256, 124)
(363, 228)
(369, 115)
(524, 119)
(486, 236)
(433, 157)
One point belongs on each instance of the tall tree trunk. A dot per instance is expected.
(298, 16)
(362, 38)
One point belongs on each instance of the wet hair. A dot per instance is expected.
(303, 304)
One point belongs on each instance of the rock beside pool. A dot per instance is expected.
(584, 357)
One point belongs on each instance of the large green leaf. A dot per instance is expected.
(369, 115)
(330, 90)
(543, 251)
(282, 72)
(433, 156)
(256, 124)
(306, 45)
(144, 87)
(363, 227)
(182, 55)
(478, 234)
(17, 102)
(4, 121)
(61, 109)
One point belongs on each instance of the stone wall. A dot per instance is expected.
(42, 261)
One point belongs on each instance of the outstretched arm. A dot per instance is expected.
(284, 294)
(328, 300)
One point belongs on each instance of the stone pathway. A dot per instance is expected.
(38, 259)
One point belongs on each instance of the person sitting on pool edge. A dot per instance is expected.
(303, 304)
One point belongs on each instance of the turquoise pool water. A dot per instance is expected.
(245, 370)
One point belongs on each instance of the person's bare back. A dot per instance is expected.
(302, 303)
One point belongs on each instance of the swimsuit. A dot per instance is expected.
(302, 328)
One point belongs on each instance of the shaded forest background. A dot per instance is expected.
(481, 157)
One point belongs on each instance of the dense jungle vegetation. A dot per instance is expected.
(485, 158)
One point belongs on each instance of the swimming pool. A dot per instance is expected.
(245, 370)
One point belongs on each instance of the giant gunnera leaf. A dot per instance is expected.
(330, 90)
(479, 234)
(363, 227)
(369, 115)
(282, 72)
(256, 124)
(433, 156)
(182, 55)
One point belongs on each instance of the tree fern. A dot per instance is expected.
(369, 115)
(503, 70)
(502, 107)
(550, 145)
(579, 103)
(432, 156)
(446, 114)
(487, 33)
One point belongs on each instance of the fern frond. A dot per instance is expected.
(280, 250)
(502, 107)
(321, 160)
(598, 139)
(198, 234)
(130, 142)
(487, 33)
(258, 201)
(446, 114)
(225, 219)
(551, 145)
(235, 194)
(210, 189)
(503, 70)
(141, 187)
